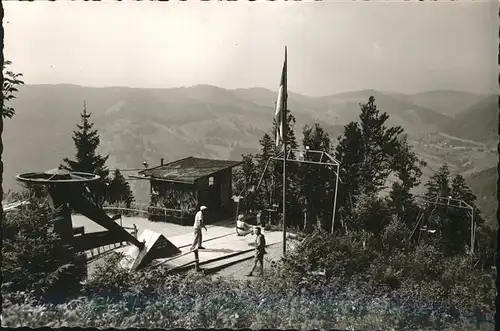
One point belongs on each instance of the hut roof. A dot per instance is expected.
(188, 170)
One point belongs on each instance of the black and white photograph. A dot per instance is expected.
(309, 165)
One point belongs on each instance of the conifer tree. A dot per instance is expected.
(86, 140)
(460, 190)
(119, 190)
(293, 183)
(454, 224)
(317, 181)
(439, 183)
(369, 151)
(458, 229)
(406, 166)
(265, 191)
(244, 179)
(349, 152)
(379, 146)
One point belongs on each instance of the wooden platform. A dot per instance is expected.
(222, 245)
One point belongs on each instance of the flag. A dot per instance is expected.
(280, 105)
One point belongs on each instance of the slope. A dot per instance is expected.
(477, 123)
(484, 186)
(414, 119)
(446, 102)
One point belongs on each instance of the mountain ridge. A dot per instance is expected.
(138, 124)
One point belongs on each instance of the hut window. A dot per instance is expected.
(155, 190)
(210, 181)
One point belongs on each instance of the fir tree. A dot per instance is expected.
(369, 151)
(460, 190)
(265, 191)
(439, 183)
(245, 178)
(406, 166)
(437, 216)
(458, 231)
(349, 152)
(87, 140)
(317, 181)
(454, 223)
(379, 146)
(119, 190)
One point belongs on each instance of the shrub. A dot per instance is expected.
(33, 257)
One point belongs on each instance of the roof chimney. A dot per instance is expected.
(161, 161)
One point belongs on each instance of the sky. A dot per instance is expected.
(333, 47)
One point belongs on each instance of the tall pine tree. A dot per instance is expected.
(245, 178)
(458, 231)
(379, 146)
(317, 181)
(87, 140)
(439, 183)
(119, 190)
(349, 152)
(406, 166)
(454, 224)
(265, 193)
(369, 152)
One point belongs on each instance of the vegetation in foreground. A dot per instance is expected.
(413, 287)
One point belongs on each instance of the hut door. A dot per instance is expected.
(214, 194)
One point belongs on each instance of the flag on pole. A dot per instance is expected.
(280, 105)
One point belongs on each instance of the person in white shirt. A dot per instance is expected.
(198, 224)
(242, 228)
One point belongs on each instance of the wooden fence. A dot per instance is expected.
(157, 214)
(96, 244)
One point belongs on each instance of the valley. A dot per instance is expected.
(212, 122)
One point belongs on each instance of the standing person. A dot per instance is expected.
(260, 244)
(198, 224)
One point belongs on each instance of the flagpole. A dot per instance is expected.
(284, 134)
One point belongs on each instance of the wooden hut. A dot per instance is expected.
(180, 187)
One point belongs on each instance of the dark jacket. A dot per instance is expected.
(260, 244)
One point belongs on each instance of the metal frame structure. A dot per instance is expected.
(66, 190)
(455, 203)
(301, 156)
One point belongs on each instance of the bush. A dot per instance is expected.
(196, 301)
(34, 259)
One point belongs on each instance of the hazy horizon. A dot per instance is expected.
(333, 47)
(269, 89)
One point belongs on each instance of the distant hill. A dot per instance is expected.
(414, 119)
(484, 186)
(478, 122)
(148, 124)
(446, 102)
